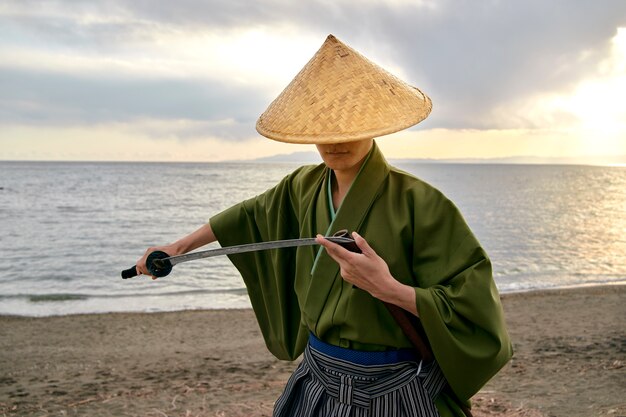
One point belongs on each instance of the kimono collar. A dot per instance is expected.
(351, 214)
(362, 192)
(329, 186)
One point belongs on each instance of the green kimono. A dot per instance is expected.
(414, 228)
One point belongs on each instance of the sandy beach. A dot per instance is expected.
(570, 350)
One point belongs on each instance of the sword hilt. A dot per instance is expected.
(156, 263)
(350, 245)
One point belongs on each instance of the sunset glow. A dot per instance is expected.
(126, 82)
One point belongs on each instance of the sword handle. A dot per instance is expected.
(130, 272)
(157, 266)
(350, 245)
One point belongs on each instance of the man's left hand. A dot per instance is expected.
(370, 272)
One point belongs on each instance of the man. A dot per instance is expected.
(417, 253)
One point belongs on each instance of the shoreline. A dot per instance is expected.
(503, 294)
(570, 350)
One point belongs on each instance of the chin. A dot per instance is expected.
(337, 163)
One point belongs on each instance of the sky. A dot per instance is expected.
(139, 80)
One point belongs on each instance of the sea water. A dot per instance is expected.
(67, 229)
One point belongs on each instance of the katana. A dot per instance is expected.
(160, 264)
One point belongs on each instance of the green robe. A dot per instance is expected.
(414, 228)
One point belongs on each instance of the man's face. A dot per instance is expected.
(345, 156)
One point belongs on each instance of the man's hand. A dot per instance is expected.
(370, 272)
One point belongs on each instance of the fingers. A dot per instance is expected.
(335, 251)
(338, 251)
(141, 267)
(344, 257)
(365, 247)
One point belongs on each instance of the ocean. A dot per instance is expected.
(69, 228)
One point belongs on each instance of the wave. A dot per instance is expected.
(54, 297)
(63, 297)
(529, 287)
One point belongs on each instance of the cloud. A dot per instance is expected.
(474, 58)
(32, 97)
(482, 62)
(597, 103)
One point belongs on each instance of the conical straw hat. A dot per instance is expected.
(341, 96)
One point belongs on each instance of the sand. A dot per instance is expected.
(570, 352)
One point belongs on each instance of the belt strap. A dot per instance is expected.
(362, 357)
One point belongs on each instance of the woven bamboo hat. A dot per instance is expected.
(341, 96)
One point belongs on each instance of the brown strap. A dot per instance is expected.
(411, 328)
(410, 332)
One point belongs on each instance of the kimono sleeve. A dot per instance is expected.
(457, 300)
(268, 275)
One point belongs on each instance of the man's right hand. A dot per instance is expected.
(141, 267)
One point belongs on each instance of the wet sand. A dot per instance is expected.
(570, 350)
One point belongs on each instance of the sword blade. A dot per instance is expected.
(160, 264)
(251, 247)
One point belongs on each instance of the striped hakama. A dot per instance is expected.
(337, 382)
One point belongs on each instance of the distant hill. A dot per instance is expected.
(536, 160)
(308, 157)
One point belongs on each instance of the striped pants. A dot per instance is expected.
(325, 385)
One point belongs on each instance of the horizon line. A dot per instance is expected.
(620, 161)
